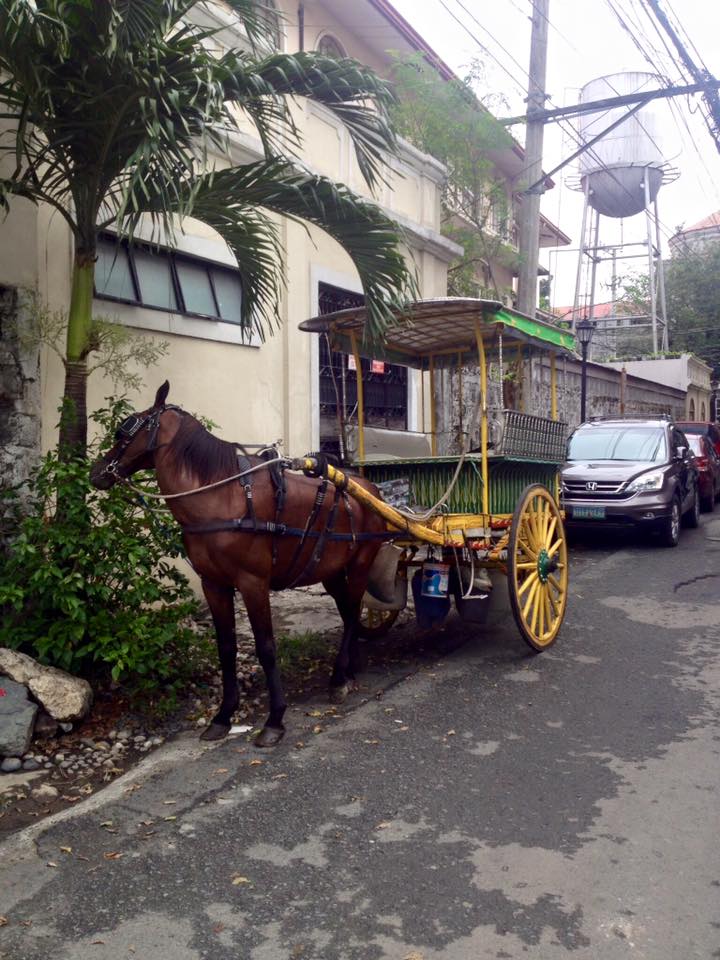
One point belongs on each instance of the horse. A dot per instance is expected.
(251, 527)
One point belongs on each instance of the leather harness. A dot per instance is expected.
(277, 528)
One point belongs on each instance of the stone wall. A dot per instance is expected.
(19, 396)
(610, 393)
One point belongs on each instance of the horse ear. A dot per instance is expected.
(161, 395)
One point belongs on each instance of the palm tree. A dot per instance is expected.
(114, 108)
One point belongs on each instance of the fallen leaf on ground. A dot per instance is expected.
(372, 742)
(256, 763)
(317, 728)
(383, 825)
(4, 921)
(112, 855)
(66, 849)
(170, 818)
(98, 941)
(413, 955)
(237, 880)
(51, 864)
(169, 803)
(450, 733)
(314, 713)
(107, 823)
(221, 770)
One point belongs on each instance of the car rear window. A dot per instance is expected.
(619, 443)
(696, 444)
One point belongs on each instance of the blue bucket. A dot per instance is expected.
(435, 579)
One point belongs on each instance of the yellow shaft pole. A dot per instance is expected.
(483, 418)
(433, 425)
(422, 397)
(395, 519)
(360, 399)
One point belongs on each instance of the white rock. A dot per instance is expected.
(45, 792)
(64, 697)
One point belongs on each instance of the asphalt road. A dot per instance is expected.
(490, 804)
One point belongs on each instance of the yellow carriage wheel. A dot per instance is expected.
(374, 624)
(537, 567)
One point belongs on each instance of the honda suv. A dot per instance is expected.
(631, 473)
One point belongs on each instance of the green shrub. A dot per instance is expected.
(90, 588)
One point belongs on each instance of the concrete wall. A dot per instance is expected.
(609, 394)
(687, 373)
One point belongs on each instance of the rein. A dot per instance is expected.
(208, 486)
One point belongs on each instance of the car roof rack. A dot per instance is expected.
(631, 416)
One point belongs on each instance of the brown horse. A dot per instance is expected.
(253, 535)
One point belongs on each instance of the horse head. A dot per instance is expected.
(135, 445)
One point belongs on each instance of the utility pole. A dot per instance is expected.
(529, 226)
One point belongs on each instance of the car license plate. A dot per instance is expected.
(588, 513)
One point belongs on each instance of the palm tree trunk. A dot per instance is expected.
(73, 422)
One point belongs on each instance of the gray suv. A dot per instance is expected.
(630, 473)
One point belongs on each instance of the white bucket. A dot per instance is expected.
(435, 579)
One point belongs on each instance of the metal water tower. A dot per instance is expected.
(620, 176)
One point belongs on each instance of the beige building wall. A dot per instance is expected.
(256, 392)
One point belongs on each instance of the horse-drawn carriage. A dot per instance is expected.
(494, 507)
(255, 523)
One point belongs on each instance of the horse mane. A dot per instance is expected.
(207, 456)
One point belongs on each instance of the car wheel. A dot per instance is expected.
(670, 530)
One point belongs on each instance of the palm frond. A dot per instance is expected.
(225, 199)
(358, 97)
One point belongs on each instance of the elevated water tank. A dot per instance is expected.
(615, 167)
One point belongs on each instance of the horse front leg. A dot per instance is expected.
(257, 604)
(221, 602)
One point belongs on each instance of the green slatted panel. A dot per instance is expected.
(430, 479)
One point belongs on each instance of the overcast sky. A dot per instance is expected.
(586, 40)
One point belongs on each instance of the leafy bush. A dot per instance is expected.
(90, 588)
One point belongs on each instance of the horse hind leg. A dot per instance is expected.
(257, 603)
(221, 602)
(348, 600)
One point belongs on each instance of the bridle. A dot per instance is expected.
(135, 423)
(126, 433)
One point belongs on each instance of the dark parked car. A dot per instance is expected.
(708, 466)
(637, 474)
(702, 428)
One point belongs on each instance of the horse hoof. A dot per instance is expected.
(339, 694)
(269, 737)
(216, 731)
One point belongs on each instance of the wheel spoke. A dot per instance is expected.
(550, 531)
(527, 583)
(555, 547)
(536, 611)
(528, 602)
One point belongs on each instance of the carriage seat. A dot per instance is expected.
(383, 444)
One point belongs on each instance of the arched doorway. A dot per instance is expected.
(691, 409)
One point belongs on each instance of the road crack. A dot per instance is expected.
(687, 583)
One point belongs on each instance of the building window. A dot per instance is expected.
(691, 410)
(328, 46)
(163, 279)
(702, 412)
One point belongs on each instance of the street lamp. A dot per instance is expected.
(584, 331)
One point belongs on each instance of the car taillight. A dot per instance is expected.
(702, 462)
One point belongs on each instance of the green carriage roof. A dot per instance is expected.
(440, 326)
